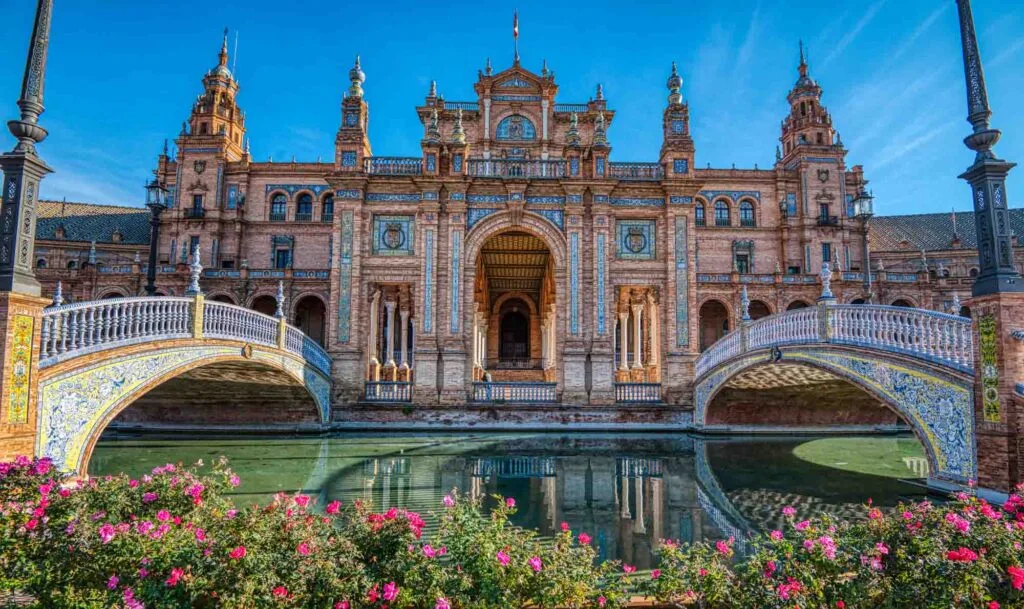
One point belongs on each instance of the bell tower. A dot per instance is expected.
(216, 119)
(808, 128)
(352, 144)
(677, 150)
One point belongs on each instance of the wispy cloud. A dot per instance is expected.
(750, 41)
(851, 35)
(1008, 53)
(905, 141)
(919, 31)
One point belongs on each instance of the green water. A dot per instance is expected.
(626, 490)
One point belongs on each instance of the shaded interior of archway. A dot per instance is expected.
(311, 318)
(786, 394)
(223, 395)
(264, 304)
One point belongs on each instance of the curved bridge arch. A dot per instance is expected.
(919, 366)
(99, 357)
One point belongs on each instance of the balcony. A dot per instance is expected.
(511, 392)
(828, 220)
(748, 222)
(327, 217)
(643, 172)
(388, 391)
(304, 217)
(277, 216)
(461, 105)
(578, 108)
(195, 213)
(393, 165)
(637, 393)
(516, 168)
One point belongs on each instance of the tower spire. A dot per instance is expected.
(223, 57)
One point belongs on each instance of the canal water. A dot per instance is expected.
(626, 490)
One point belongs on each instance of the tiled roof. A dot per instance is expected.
(930, 232)
(87, 222)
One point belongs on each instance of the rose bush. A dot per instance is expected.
(172, 539)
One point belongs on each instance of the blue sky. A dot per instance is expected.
(122, 76)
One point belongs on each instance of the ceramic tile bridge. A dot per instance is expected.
(919, 363)
(97, 358)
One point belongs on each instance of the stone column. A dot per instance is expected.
(623, 341)
(624, 511)
(390, 353)
(638, 524)
(403, 340)
(638, 311)
(373, 363)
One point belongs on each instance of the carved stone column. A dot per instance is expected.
(373, 372)
(638, 367)
(623, 346)
(403, 340)
(389, 366)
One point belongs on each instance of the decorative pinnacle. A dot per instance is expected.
(92, 253)
(488, 70)
(826, 281)
(600, 92)
(195, 270)
(600, 131)
(357, 77)
(223, 57)
(58, 295)
(675, 83)
(279, 297)
(458, 135)
(803, 63)
(433, 89)
(573, 135)
(165, 146)
(954, 308)
(27, 129)
(978, 112)
(544, 68)
(744, 305)
(778, 153)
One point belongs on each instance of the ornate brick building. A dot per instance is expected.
(511, 259)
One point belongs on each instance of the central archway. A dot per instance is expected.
(515, 272)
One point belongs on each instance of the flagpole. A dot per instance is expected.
(515, 35)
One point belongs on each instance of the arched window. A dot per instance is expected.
(327, 213)
(973, 272)
(699, 215)
(721, 213)
(515, 128)
(41, 263)
(304, 207)
(747, 214)
(278, 207)
(72, 264)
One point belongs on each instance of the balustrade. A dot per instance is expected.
(388, 391)
(85, 327)
(636, 171)
(515, 467)
(516, 168)
(393, 165)
(636, 393)
(514, 392)
(930, 335)
(577, 108)
(462, 105)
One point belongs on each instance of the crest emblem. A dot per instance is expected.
(823, 175)
(636, 240)
(247, 351)
(199, 166)
(393, 237)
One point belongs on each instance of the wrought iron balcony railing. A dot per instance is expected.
(393, 165)
(388, 391)
(636, 171)
(195, 213)
(277, 216)
(828, 220)
(516, 168)
(304, 217)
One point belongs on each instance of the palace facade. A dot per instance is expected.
(513, 258)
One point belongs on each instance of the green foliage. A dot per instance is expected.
(171, 540)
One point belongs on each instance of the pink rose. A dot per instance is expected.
(333, 507)
(390, 591)
(536, 563)
(448, 501)
(503, 558)
(510, 502)
(584, 539)
(237, 553)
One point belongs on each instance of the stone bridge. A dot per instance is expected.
(97, 358)
(918, 363)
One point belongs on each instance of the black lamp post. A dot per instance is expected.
(863, 209)
(156, 201)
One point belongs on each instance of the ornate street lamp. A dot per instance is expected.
(863, 209)
(156, 201)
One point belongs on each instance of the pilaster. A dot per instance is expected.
(20, 324)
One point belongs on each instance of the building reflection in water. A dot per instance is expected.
(622, 502)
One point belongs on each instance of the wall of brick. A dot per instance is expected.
(818, 405)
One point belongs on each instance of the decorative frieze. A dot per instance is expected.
(291, 189)
(392, 235)
(600, 255)
(574, 283)
(639, 202)
(345, 277)
(635, 239)
(734, 195)
(682, 283)
(428, 281)
(392, 197)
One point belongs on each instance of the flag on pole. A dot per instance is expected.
(515, 24)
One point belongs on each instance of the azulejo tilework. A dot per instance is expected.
(291, 189)
(19, 382)
(428, 282)
(456, 272)
(348, 194)
(393, 235)
(642, 202)
(940, 411)
(74, 406)
(389, 197)
(735, 195)
(345, 278)
(555, 216)
(682, 284)
(546, 200)
(635, 239)
(988, 345)
(574, 282)
(484, 198)
(600, 255)
(477, 214)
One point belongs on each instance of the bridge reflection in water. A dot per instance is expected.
(626, 491)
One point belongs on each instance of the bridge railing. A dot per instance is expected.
(81, 328)
(938, 337)
(86, 327)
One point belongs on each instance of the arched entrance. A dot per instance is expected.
(759, 309)
(513, 313)
(714, 323)
(797, 304)
(223, 298)
(264, 304)
(311, 317)
(902, 302)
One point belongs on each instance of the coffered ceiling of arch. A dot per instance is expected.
(515, 262)
(781, 375)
